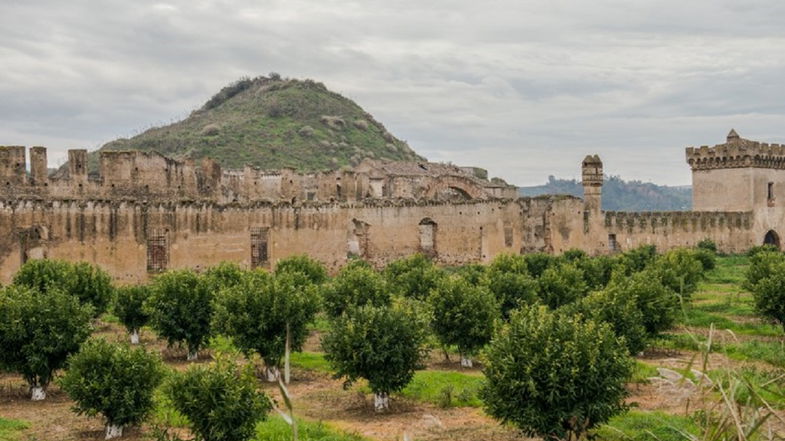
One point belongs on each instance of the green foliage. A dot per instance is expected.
(760, 249)
(537, 263)
(707, 258)
(413, 277)
(473, 273)
(180, 307)
(88, 283)
(647, 426)
(463, 314)
(256, 312)
(220, 400)
(223, 275)
(637, 259)
(445, 388)
(355, 285)
(679, 270)
(561, 284)
(313, 270)
(129, 306)
(708, 245)
(507, 277)
(38, 331)
(659, 306)
(555, 376)
(112, 380)
(383, 345)
(597, 271)
(619, 309)
(769, 294)
(574, 254)
(761, 265)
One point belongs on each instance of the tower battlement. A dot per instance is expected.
(737, 152)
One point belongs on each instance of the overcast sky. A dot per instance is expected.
(523, 88)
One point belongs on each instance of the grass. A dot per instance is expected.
(276, 429)
(646, 426)
(643, 371)
(445, 388)
(312, 361)
(9, 429)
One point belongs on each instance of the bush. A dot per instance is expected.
(463, 315)
(708, 245)
(180, 307)
(769, 294)
(537, 263)
(38, 331)
(383, 345)
(257, 312)
(88, 283)
(112, 380)
(561, 284)
(679, 270)
(619, 309)
(223, 275)
(311, 268)
(507, 277)
(129, 308)
(707, 258)
(761, 266)
(555, 376)
(473, 273)
(574, 254)
(355, 285)
(413, 277)
(659, 305)
(221, 401)
(597, 271)
(762, 248)
(637, 259)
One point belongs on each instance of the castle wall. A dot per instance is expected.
(729, 189)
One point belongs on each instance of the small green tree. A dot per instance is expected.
(761, 266)
(473, 273)
(707, 244)
(619, 309)
(553, 375)
(507, 277)
(659, 305)
(384, 345)
(355, 286)
(680, 270)
(769, 294)
(537, 263)
(223, 275)
(262, 311)
(113, 380)
(597, 271)
(463, 315)
(637, 259)
(129, 308)
(38, 331)
(561, 284)
(221, 401)
(413, 277)
(312, 268)
(180, 307)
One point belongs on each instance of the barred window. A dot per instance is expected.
(259, 243)
(157, 253)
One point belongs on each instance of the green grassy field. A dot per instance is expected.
(9, 429)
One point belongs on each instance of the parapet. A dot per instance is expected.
(737, 152)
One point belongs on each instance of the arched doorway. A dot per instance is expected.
(772, 238)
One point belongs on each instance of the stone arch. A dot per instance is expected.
(460, 185)
(772, 238)
(428, 229)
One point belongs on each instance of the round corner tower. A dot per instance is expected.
(591, 171)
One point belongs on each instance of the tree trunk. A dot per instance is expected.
(286, 370)
(466, 362)
(135, 337)
(113, 431)
(272, 373)
(381, 401)
(192, 355)
(37, 393)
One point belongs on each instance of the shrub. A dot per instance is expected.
(561, 284)
(555, 376)
(38, 331)
(223, 275)
(473, 273)
(180, 307)
(574, 254)
(537, 263)
(618, 308)
(637, 259)
(597, 271)
(769, 294)
(707, 258)
(313, 269)
(257, 312)
(762, 248)
(463, 315)
(129, 308)
(659, 305)
(384, 345)
(413, 277)
(679, 270)
(708, 245)
(114, 381)
(507, 277)
(761, 265)
(220, 400)
(355, 285)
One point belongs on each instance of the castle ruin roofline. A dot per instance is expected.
(736, 152)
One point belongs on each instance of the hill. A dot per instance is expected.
(270, 122)
(621, 195)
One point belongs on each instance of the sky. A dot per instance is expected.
(522, 88)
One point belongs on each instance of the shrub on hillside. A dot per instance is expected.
(112, 380)
(130, 310)
(464, 315)
(221, 401)
(38, 331)
(414, 276)
(355, 285)
(180, 307)
(561, 284)
(553, 375)
(383, 345)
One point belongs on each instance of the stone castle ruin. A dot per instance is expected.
(145, 213)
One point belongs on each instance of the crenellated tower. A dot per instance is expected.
(592, 183)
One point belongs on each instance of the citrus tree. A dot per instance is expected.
(129, 308)
(507, 277)
(561, 284)
(355, 285)
(311, 268)
(769, 294)
(413, 277)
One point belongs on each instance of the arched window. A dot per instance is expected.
(428, 236)
(772, 238)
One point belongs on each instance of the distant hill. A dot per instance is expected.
(621, 195)
(270, 122)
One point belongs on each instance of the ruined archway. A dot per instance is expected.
(452, 186)
(357, 239)
(772, 238)
(427, 229)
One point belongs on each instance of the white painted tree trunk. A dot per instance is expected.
(113, 431)
(192, 356)
(135, 337)
(37, 393)
(466, 362)
(272, 373)
(381, 402)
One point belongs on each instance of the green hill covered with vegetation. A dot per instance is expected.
(270, 122)
(621, 195)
